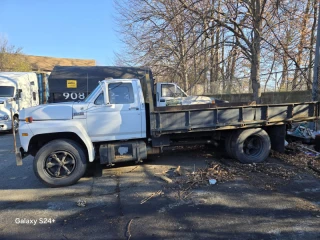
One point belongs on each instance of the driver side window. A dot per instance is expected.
(121, 93)
(118, 94)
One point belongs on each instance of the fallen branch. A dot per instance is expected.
(128, 234)
(151, 196)
(168, 180)
(178, 170)
(311, 150)
(132, 169)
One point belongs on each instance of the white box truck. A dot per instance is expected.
(18, 90)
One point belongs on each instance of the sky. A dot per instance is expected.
(84, 29)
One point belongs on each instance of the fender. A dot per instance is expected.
(56, 126)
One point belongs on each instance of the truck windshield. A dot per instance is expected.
(171, 90)
(90, 96)
(6, 91)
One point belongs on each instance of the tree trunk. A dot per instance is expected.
(256, 51)
(234, 57)
(255, 78)
(183, 61)
(223, 75)
(206, 81)
(312, 38)
(216, 55)
(212, 66)
(301, 44)
(195, 72)
(284, 77)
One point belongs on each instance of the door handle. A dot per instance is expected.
(133, 108)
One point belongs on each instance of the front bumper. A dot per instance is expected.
(5, 125)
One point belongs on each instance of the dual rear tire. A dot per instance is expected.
(249, 145)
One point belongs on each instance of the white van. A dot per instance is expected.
(18, 90)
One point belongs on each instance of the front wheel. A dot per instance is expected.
(60, 163)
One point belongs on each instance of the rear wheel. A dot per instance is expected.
(60, 163)
(251, 145)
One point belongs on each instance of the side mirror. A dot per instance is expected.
(19, 94)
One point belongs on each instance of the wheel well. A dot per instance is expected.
(38, 141)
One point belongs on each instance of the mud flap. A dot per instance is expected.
(16, 150)
(277, 136)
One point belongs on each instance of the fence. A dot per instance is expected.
(281, 81)
(268, 97)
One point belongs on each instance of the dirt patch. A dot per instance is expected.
(276, 172)
(301, 156)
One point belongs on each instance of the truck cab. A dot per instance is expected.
(119, 106)
(9, 99)
(18, 90)
(110, 122)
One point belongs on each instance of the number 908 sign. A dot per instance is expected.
(73, 96)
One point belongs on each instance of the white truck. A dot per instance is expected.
(120, 121)
(18, 90)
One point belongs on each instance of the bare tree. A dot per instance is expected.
(216, 43)
(12, 58)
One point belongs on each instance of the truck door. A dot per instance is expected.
(122, 118)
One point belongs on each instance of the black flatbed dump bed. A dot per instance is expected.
(226, 116)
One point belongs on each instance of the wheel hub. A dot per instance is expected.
(60, 164)
(252, 146)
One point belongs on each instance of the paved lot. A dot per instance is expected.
(129, 202)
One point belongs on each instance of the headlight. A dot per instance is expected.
(4, 117)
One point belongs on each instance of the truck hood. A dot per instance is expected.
(3, 99)
(54, 111)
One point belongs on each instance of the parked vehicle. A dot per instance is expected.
(18, 90)
(170, 94)
(74, 83)
(120, 121)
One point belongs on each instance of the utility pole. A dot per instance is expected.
(315, 84)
